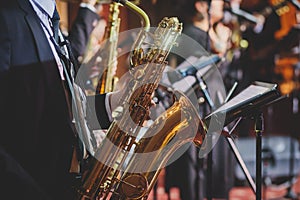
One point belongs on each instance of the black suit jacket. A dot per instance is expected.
(35, 127)
(82, 27)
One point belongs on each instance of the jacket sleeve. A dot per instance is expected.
(97, 115)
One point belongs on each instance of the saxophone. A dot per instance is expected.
(108, 79)
(108, 52)
(116, 171)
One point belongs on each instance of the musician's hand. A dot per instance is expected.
(99, 136)
(220, 39)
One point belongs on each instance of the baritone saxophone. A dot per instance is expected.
(117, 170)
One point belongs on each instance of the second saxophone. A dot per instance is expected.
(109, 56)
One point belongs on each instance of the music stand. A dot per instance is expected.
(249, 103)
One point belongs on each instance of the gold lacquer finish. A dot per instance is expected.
(177, 126)
(119, 172)
(108, 79)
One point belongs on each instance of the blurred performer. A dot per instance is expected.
(219, 33)
(202, 23)
(36, 120)
(187, 172)
(277, 35)
(196, 26)
(85, 35)
(85, 22)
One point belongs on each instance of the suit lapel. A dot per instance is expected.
(45, 54)
(47, 60)
(42, 45)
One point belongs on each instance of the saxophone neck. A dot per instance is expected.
(137, 53)
(137, 10)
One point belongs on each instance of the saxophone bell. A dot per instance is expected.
(178, 125)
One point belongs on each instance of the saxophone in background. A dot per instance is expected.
(106, 57)
(108, 78)
(116, 173)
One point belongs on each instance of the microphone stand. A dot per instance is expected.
(207, 96)
(200, 83)
(203, 87)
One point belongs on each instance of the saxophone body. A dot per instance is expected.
(117, 170)
(178, 125)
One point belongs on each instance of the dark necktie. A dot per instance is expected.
(55, 24)
(67, 72)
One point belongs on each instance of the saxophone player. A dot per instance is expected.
(36, 125)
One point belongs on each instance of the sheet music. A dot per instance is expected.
(250, 92)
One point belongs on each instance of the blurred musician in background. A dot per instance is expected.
(188, 168)
(219, 33)
(203, 23)
(86, 21)
(278, 34)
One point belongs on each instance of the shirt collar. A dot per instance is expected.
(47, 5)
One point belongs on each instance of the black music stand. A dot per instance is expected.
(249, 103)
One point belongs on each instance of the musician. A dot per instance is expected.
(86, 21)
(191, 182)
(36, 116)
(219, 33)
(203, 24)
(276, 36)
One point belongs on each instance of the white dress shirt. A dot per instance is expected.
(44, 10)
